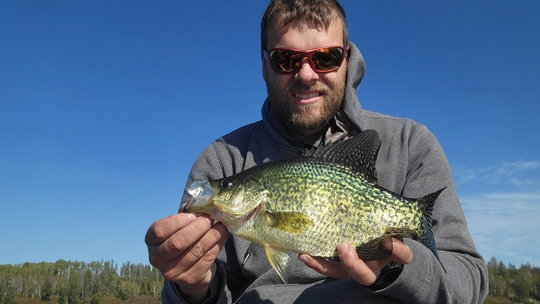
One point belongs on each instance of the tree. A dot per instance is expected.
(8, 299)
(128, 290)
(74, 291)
(62, 295)
(46, 291)
(522, 284)
(75, 282)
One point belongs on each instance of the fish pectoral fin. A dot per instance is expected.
(293, 222)
(375, 250)
(278, 260)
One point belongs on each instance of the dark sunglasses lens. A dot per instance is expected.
(327, 59)
(288, 61)
(285, 60)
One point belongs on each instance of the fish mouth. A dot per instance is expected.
(246, 216)
(200, 192)
(254, 212)
(232, 220)
(235, 213)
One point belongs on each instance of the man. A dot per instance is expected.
(312, 72)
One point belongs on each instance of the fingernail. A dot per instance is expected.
(342, 248)
(191, 217)
(208, 219)
(304, 258)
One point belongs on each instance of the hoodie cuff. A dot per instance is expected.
(171, 293)
(389, 275)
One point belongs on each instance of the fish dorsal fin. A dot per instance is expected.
(358, 152)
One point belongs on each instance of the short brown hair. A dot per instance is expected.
(320, 12)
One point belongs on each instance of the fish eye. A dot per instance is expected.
(225, 184)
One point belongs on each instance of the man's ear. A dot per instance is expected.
(264, 68)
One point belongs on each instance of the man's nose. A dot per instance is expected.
(306, 73)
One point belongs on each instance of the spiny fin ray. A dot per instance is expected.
(376, 250)
(278, 260)
(358, 153)
(428, 239)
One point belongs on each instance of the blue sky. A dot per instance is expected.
(104, 106)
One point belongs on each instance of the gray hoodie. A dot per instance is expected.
(410, 162)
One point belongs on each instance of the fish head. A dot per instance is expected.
(228, 200)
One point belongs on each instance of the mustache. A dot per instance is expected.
(297, 87)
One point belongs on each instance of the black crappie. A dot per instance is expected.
(312, 203)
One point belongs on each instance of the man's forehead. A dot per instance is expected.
(280, 26)
(278, 30)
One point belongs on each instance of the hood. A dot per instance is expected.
(350, 108)
(345, 123)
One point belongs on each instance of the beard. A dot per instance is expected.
(310, 117)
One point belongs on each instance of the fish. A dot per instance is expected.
(311, 203)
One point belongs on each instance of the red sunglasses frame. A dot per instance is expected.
(309, 55)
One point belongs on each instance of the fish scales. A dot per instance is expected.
(312, 203)
(342, 205)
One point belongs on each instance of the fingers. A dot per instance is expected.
(185, 246)
(191, 266)
(401, 253)
(206, 248)
(323, 266)
(169, 237)
(365, 272)
(349, 266)
(162, 229)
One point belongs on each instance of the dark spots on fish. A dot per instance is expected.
(341, 206)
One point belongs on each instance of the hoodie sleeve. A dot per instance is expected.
(219, 292)
(461, 274)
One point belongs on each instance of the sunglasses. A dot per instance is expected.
(322, 60)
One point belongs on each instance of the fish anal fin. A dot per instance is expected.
(278, 259)
(376, 250)
(293, 222)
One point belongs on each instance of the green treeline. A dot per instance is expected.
(509, 284)
(67, 282)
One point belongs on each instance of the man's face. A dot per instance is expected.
(305, 100)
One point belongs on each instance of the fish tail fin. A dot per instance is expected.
(427, 238)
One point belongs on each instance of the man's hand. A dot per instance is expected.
(183, 247)
(365, 272)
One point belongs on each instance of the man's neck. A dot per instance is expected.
(310, 137)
